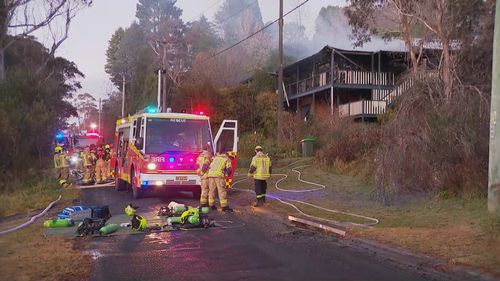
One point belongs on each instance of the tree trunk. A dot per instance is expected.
(408, 38)
(447, 68)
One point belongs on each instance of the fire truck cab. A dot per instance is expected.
(158, 151)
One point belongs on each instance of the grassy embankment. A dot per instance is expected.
(459, 231)
(26, 254)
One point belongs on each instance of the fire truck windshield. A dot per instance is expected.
(173, 134)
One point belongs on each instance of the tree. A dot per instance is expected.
(87, 110)
(237, 19)
(34, 106)
(444, 21)
(20, 18)
(201, 36)
(153, 13)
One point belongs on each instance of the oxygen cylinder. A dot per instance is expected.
(204, 210)
(172, 220)
(107, 229)
(57, 223)
(176, 207)
(179, 208)
(194, 219)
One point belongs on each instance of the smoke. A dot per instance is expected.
(332, 28)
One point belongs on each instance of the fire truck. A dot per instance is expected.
(158, 151)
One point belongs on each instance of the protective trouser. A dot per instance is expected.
(111, 172)
(260, 190)
(87, 176)
(64, 175)
(217, 185)
(100, 170)
(204, 191)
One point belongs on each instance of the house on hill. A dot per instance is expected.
(357, 84)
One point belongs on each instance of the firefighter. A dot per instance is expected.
(203, 164)
(100, 166)
(87, 165)
(108, 154)
(61, 166)
(220, 167)
(261, 170)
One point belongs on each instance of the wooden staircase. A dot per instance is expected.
(381, 99)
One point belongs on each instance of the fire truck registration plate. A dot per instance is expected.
(181, 178)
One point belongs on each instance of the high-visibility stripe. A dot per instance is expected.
(261, 196)
(217, 166)
(203, 200)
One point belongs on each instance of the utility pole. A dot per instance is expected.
(159, 90)
(164, 64)
(494, 164)
(99, 122)
(123, 96)
(280, 77)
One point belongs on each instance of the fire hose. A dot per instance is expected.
(33, 218)
(290, 202)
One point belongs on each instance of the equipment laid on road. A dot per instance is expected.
(76, 213)
(137, 222)
(58, 223)
(191, 218)
(185, 216)
(159, 150)
(108, 229)
(90, 226)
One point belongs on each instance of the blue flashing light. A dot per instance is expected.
(171, 159)
(59, 136)
(144, 182)
(151, 109)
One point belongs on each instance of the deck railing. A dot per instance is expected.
(308, 84)
(353, 77)
(363, 108)
(349, 77)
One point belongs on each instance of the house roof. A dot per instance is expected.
(328, 49)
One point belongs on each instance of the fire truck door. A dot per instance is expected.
(226, 140)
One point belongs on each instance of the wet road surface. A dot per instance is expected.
(254, 245)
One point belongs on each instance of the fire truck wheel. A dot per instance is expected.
(119, 183)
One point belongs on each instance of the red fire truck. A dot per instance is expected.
(159, 150)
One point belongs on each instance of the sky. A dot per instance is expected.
(92, 28)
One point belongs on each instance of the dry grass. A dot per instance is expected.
(25, 199)
(28, 255)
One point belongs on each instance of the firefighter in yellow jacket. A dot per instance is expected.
(219, 168)
(203, 164)
(261, 170)
(61, 166)
(87, 158)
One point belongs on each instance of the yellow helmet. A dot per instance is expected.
(258, 147)
(107, 146)
(130, 210)
(58, 148)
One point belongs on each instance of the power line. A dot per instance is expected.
(255, 33)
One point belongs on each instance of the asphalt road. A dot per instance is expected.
(255, 245)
